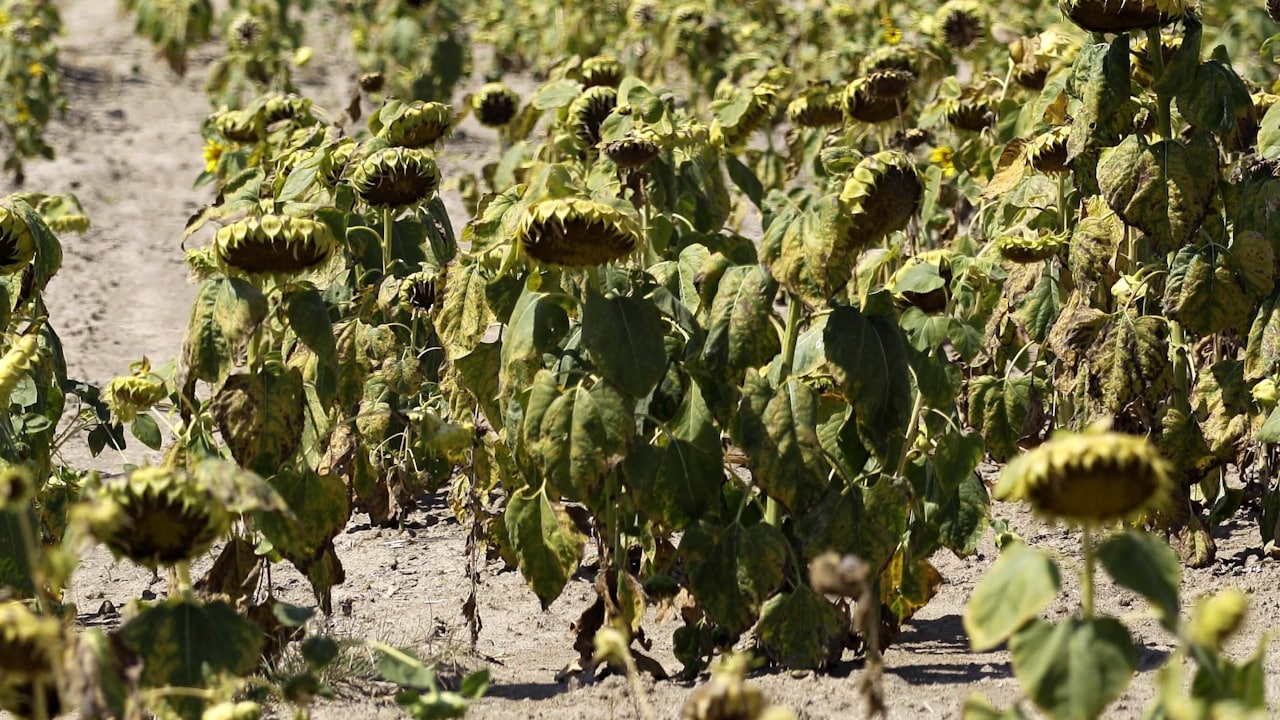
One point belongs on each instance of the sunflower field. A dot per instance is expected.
(747, 320)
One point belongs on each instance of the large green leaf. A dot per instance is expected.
(260, 416)
(678, 479)
(777, 429)
(624, 336)
(1131, 361)
(1146, 565)
(1217, 100)
(963, 519)
(309, 319)
(1165, 189)
(857, 520)
(1073, 670)
(465, 313)
(732, 570)
(537, 324)
(583, 434)
(1212, 288)
(868, 357)
(1223, 405)
(1262, 351)
(544, 540)
(317, 511)
(804, 251)
(185, 643)
(15, 572)
(480, 370)
(1100, 78)
(223, 316)
(1017, 586)
(801, 630)
(740, 333)
(999, 407)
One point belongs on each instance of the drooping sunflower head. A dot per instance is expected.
(340, 156)
(1118, 16)
(761, 104)
(396, 177)
(419, 124)
(1033, 57)
(973, 110)
(1047, 152)
(129, 395)
(273, 245)
(157, 516)
(889, 71)
(860, 104)
(961, 24)
(1031, 246)
(239, 126)
(1142, 57)
(29, 643)
(817, 106)
(631, 152)
(576, 232)
(642, 13)
(417, 292)
(292, 108)
(17, 242)
(495, 105)
(17, 486)
(881, 194)
(588, 111)
(245, 31)
(371, 82)
(1088, 478)
(601, 70)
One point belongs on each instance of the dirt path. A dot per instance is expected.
(129, 147)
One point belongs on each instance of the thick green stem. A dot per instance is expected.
(913, 431)
(1086, 577)
(31, 546)
(1064, 216)
(1155, 48)
(388, 227)
(791, 335)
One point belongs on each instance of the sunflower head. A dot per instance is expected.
(860, 104)
(418, 124)
(642, 13)
(1031, 246)
(929, 301)
(17, 486)
(973, 110)
(631, 152)
(761, 105)
(417, 292)
(127, 396)
(1119, 16)
(890, 71)
(1088, 478)
(576, 232)
(292, 108)
(817, 106)
(495, 105)
(273, 245)
(880, 196)
(238, 126)
(961, 24)
(396, 177)
(245, 31)
(601, 70)
(340, 156)
(157, 516)
(17, 242)
(371, 82)
(588, 111)
(29, 643)
(1047, 152)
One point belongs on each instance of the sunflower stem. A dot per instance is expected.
(795, 309)
(387, 229)
(30, 543)
(1063, 216)
(1086, 576)
(1155, 48)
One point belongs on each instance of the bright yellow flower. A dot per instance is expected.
(212, 153)
(892, 35)
(944, 157)
(35, 70)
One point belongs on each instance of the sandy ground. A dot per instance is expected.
(129, 147)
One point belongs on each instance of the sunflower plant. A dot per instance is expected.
(29, 72)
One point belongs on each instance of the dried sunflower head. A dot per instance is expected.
(1088, 478)
(29, 643)
(1140, 53)
(1047, 152)
(245, 31)
(495, 104)
(417, 292)
(642, 13)
(576, 232)
(879, 197)
(1033, 57)
(273, 245)
(890, 71)
(157, 516)
(17, 243)
(818, 106)
(17, 486)
(16, 362)
(127, 396)
(340, 156)
(1031, 246)
(631, 152)
(961, 24)
(278, 108)
(240, 126)
(601, 70)
(588, 111)
(418, 124)
(761, 106)
(1117, 16)
(860, 104)
(372, 82)
(974, 110)
(396, 177)
(929, 301)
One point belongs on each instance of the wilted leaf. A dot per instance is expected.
(581, 436)
(740, 333)
(1146, 565)
(857, 520)
(624, 336)
(801, 630)
(1165, 189)
(223, 316)
(999, 408)
(777, 429)
(1130, 361)
(464, 314)
(732, 570)
(1100, 78)
(804, 251)
(260, 416)
(868, 356)
(1021, 583)
(544, 540)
